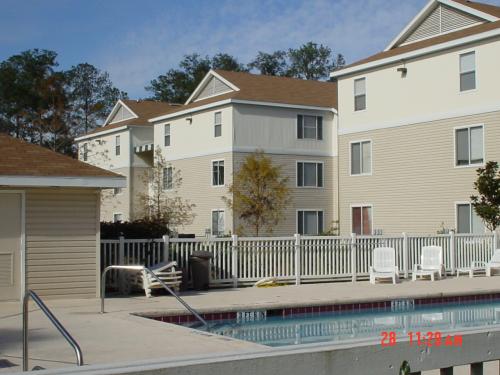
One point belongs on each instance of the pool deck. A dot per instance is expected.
(118, 336)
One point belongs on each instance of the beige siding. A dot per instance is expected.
(62, 229)
(120, 203)
(414, 184)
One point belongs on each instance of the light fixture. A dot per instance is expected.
(189, 120)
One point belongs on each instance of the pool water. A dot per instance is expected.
(343, 327)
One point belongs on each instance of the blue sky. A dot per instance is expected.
(135, 41)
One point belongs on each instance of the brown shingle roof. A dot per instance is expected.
(282, 90)
(485, 8)
(144, 109)
(429, 42)
(19, 158)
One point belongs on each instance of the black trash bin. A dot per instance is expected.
(199, 262)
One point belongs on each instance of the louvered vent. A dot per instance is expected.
(213, 87)
(6, 270)
(443, 19)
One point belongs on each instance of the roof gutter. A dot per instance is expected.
(54, 181)
(416, 53)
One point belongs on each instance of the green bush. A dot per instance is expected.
(133, 230)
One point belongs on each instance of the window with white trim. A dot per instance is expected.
(360, 94)
(218, 222)
(468, 220)
(117, 218)
(167, 135)
(309, 174)
(469, 148)
(168, 180)
(85, 151)
(218, 173)
(361, 158)
(217, 124)
(309, 223)
(117, 145)
(361, 217)
(468, 71)
(309, 127)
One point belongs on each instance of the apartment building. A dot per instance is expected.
(230, 115)
(417, 120)
(123, 145)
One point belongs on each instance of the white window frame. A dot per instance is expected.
(361, 141)
(460, 203)
(218, 124)
(354, 94)
(172, 177)
(211, 220)
(118, 145)
(117, 213)
(455, 146)
(361, 205)
(316, 137)
(165, 126)
(460, 72)
(308, 210)
(309, 162)
(212, 173)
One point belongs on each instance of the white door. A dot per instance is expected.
(10, 246)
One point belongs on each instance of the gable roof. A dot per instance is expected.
(444, 41)
(485, 8)
(19, 159)
(267, 89)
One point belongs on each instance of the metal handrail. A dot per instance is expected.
(144, 268)
(53, 320)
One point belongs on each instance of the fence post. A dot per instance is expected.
(495, 241)
(405, 255)
(234, 258)
(166, 248)
(121, 261)
(353, 257)
(297, 259)
(452, 252)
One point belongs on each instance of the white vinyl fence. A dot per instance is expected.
(245, 260)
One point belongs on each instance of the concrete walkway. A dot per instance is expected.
(118, 336)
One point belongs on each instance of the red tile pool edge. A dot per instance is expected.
(287, 311)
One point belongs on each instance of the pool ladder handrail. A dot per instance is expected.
(29, 293)
(144, 268)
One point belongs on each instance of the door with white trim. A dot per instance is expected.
(10, 246)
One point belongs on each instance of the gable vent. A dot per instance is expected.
(441, 20)
(213, 87)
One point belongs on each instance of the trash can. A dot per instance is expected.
(199, 262)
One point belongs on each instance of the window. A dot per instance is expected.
(117, 191)
(117, 218)
(362, 220)
(361, 158)
(467, 220)
(468, 71)
(217, 124)
(117, 145)
(469, 146)
(168, 181)
(167, 135)
(218, 173)
(309, 127)
(85, 151)
(309, 174)
(218, 222)
(360, 94)
(310, 222)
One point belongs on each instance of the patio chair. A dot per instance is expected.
(384, 265)
(431, 263)
(494, 263)
(166, 272)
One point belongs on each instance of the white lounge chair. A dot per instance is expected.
(384, 265)
(166, 272)
(494, 263)
(431, 263)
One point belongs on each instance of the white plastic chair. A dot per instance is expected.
(494, 262)
(384, 265)
(431, 263)
(166, 272)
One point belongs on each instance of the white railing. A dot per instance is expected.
(297, 259)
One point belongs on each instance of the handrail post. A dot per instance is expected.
(297, 259)
(234, 260)
(353, 257)
(166, 247)
(405, 255)
(452, 253)
(25, 331)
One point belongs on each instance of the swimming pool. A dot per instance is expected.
(401, 317)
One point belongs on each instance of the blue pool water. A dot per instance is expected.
(343, 327)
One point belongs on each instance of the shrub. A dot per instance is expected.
(133, 229)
